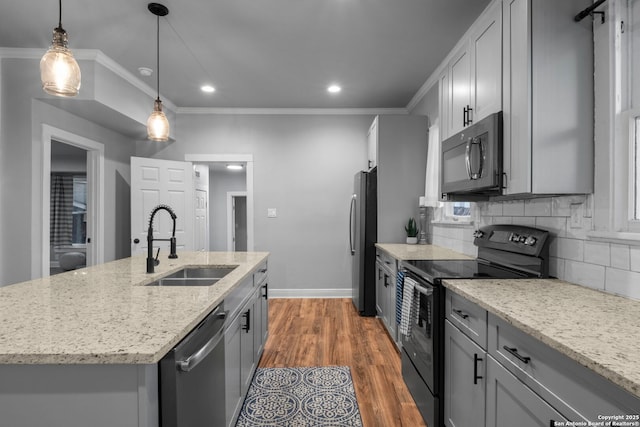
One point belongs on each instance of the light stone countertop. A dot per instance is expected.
(105, 315)
(598, 330)
(406, 252)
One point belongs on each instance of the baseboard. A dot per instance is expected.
(310, 293)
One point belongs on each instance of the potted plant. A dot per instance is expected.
(412, 232)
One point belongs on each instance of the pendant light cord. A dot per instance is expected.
(60, 14)
(157, 55)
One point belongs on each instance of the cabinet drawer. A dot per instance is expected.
(470, 318)
(576, 391)
(260, 274)
(387, 260)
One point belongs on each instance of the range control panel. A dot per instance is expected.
(511, 238)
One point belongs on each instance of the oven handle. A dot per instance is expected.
(423, 290)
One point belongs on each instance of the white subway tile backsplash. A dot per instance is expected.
(584, 274)
(529, 221)
(570, 249)
(634, 258)
(555, 225)
(556, 267)
(597, 253)
(537, 207)
(613, 268)
(620, 256)
(513, 208)
(561, 206)
(623, 282)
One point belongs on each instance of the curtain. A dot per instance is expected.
(432, 182)
(61, 221)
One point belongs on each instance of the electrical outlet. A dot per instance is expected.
(576, 215)
(272, 213)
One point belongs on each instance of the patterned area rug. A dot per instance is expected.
(301, 397)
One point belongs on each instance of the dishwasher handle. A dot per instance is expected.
(186, 365)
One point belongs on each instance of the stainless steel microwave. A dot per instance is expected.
(471, 165)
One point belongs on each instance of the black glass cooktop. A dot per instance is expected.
(461, 269)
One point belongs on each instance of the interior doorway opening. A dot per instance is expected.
(90, 224)
(225, 225)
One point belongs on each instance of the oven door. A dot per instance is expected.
(422, 346)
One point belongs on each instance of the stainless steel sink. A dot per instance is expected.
(183, 281)
(202, 272)
(194, 276)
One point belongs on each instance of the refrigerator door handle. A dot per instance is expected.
(351, 224)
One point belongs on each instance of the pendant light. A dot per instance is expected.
(59, 71)
(157, 124)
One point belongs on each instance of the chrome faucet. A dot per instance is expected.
(151, 261)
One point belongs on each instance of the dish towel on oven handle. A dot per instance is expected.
(409, 306)
(399, 286)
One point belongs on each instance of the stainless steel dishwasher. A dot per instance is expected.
(192, 376)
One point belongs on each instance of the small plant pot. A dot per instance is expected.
(412, 240)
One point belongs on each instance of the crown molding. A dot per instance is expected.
(294, 111)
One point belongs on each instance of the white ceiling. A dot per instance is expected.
(260, 53)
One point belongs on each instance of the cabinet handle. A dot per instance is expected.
(461, 313)
(247, 325)
(514, 352)
(466, 116)
(476, 359)
(266, 291)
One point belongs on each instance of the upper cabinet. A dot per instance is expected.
(547, 97)
(471, 86)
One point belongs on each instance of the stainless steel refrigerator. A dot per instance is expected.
(363, 225)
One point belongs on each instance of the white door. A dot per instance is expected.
(161, 182)
(201, 211)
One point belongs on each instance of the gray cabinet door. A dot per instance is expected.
(264, 324)
(391, 306)
(233, 389)
(247, 351)
(380, 292)
(464, 380)
(508, 399)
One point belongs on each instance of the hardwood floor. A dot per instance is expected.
(321, 332)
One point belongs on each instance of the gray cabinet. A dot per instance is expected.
(497, 373)
(386, 271)
(245, 335)
(471, 86)
(401, 147)
(464, 378)
(465, 342)
(547, 97)
(509, 401)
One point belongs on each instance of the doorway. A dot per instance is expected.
(68, 208)
(218, 207)
(237, 221)
(89, 225)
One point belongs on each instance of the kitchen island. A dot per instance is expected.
(84, 345)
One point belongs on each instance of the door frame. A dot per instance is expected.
(234, 158)
(95, 199)
(231, 195)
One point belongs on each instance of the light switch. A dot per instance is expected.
(272, 213)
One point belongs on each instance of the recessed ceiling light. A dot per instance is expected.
(208, 89)
(235, 167)
(334, 88)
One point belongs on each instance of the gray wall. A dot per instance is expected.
(304, 167)
(21, 117)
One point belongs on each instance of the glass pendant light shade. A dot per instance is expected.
(157, 124)
(59, 71)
